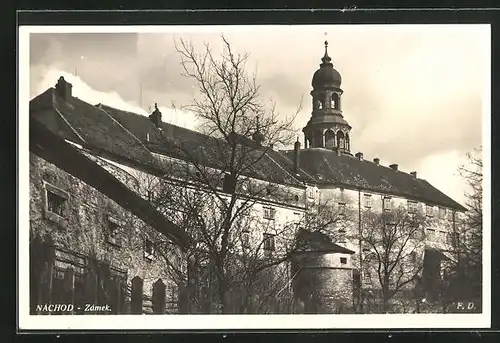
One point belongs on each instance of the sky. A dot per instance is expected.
(413, 94)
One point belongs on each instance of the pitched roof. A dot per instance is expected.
(51, 147)
(94, 128)
(315, 241)
(180, 142)
(133, 137)
(329, 168)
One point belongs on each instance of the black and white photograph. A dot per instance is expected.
(247, 177)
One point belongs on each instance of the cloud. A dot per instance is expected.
(86, 93)
(441, 170)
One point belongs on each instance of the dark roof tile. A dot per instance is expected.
(349, 171)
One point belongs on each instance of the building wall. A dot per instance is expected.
(440, 224)
(322, 283)
(83, 228)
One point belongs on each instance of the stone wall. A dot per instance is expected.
(83, 229)
(320, 285)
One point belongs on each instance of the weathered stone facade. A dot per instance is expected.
(323, 282)
(82, 233)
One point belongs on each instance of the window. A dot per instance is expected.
(310, 192)
(152, 195)
(56, 204)
(367, 275)
(418, 233)
(449, 238)
(229, 184)
(368, 200)
(442, 212)
(149, 249)
(429, 210)
(387, 204)
(343, 260)
(341, 208)
(269, 213)
(245, 239)
(431, 234)
(297, 219)
(442, 236)
(412, 206)
(413, 257)
(113, 232)
(269, 242)
(342, 236)
(450, 215)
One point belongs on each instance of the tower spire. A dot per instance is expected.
(326, 59)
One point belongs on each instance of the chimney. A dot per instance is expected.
(414, 174)
(63, 88)
(377, 161)
(394, 166)
(155, 117)
(296, 155)
(359, 155)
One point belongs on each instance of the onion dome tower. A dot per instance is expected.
(327, 128)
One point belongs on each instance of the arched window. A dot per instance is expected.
(320, 105)
(347, 142)
(318, 140)
(340, 139)
(329, 139)
(335, 101)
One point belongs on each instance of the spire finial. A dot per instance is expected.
(326, 59)
(156, 106)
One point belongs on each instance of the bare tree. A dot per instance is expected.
(392, 241)
(466, 273)
(211, 189)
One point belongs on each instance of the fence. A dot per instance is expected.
(61, 277)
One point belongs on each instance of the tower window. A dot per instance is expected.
(335, 101)
(329, 139)
(340, 139)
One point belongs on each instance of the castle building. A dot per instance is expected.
(83, 212)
